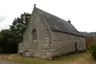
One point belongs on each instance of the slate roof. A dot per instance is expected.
(58, 24)
(88, 35)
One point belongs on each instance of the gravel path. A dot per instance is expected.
(7, 62)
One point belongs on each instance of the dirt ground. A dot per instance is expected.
(76, 58)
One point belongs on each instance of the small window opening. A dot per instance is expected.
(34, 34)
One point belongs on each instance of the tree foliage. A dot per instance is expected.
(7, 41)
(19, 25)
(9, 38)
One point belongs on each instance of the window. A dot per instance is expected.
(34, 34)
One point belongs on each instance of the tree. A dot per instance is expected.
(19, 25)
(9, 38)
(8, 42)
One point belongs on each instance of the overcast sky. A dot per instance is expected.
(82, 13)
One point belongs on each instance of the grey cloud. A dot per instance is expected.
(2, 18)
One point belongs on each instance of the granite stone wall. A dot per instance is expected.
(40, 46)
(63, 43)
(49, 43)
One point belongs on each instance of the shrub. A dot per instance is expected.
(92, 49)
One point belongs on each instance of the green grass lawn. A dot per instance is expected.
(76, 58)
